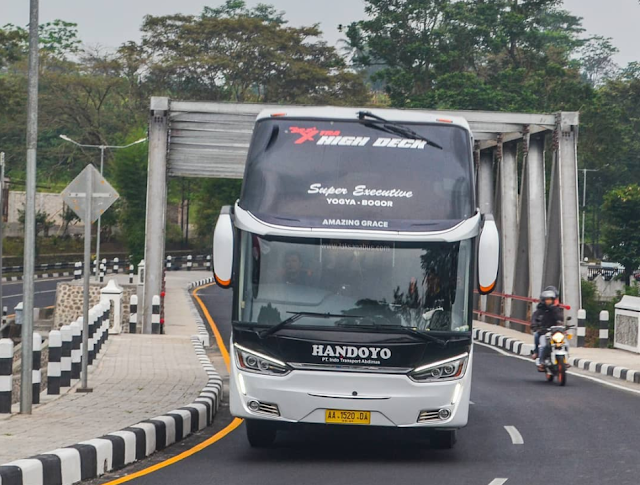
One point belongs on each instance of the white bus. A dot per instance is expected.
(352, 254)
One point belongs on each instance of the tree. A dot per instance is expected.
(130, 180)
(43, 223)
(503, 54)
(68, 216)
(596, 59)
(213, 194)
(622, 215)
(239, 54)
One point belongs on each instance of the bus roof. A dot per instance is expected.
(342, 113)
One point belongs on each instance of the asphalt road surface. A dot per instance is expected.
(522, 430)
(45, 293)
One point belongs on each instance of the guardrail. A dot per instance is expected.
(113, 266)
(503, 318)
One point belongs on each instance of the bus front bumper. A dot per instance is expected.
(392, 400)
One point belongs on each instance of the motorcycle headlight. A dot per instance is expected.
(444, 370)
(558, 337)
(253, 361)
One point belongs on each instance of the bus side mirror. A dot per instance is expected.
(223, 242)
(488, 256)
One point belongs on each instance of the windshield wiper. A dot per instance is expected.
(403, 329)
(297, 316)
(395, 128)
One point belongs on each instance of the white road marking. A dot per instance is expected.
(36, 293)
(595, 379)
(499, 481)
(471, 402)
(516, 437)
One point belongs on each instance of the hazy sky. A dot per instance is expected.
(110, 23)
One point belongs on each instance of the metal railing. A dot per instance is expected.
(510, 319)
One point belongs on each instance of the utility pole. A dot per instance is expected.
(1, 221)
(26, 388)
(84, 385)
(99, 230)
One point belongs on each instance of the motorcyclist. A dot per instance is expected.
(548, 313)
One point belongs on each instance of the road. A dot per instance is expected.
(45, 293)
(522, 430)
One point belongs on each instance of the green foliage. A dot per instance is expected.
(622, 213)
(214, 194)
(129, 176)
(499, 55)
(239, 54)
(591, 302)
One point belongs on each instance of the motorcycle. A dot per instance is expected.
(557, 353)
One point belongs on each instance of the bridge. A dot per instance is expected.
(515, 154)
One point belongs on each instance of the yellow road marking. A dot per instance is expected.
(219, 435)
(185, 454)
(212, 325)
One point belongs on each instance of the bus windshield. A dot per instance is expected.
(423, 286)
(355, 175)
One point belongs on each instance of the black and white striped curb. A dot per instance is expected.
(607, 369)
(203, 333)
(520, 348)
(93, 458)
(64, 274)
(202, 282)
(497, 340)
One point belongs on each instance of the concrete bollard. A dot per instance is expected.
(54, 369)
(18, 311)
(6, 377)
(189, 262)
(95, 267)
(155, 314)
(76, 348)
(77, 271)
(92, 330)
(207, 263)
(130, 274)
(103, 268)
(36, 375)
(97, 332)
(4, 315)
(581, 330)
(603, 334)
(169, 263)
(116, 265)
(106, 312)
(101, 321)
(133, 313)
(65, 361)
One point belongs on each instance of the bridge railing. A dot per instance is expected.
(509, 321)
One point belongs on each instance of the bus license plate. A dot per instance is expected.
(337, 416)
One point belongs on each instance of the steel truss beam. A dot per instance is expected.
(539, 242)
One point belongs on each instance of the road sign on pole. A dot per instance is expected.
(88, 195)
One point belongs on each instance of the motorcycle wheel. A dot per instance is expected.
(562, 372)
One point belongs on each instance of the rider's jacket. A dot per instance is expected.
(546, 316)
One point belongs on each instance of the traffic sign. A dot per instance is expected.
(75, 194)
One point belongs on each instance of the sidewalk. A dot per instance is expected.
(138, 377)
(611, 362)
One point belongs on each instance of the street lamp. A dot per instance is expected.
(102, 149)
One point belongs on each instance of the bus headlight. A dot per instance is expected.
(444, 370)
(253, 361)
